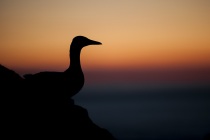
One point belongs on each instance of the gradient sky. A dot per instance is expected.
(136, 34)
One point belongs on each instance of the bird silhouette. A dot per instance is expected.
(61, 86)
(31, 105)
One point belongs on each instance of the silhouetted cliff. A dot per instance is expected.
(27, 114)
(69, 122)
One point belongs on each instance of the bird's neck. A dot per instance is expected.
(75, 59)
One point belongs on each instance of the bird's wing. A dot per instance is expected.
(43, 76)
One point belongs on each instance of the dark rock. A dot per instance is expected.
(27, 114)
(68, 122)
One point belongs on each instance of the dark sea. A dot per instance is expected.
(149, 111)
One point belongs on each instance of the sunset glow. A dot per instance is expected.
(135, 34)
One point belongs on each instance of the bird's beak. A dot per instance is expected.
(93, 42)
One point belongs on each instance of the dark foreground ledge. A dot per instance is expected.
(28, 112)
(22, 121)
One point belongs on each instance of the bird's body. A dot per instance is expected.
(62, 85)
(52, 87)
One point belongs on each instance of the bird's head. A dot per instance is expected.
(81, 41)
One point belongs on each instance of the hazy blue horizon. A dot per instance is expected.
(149, 111)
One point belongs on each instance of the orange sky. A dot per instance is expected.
(136, 34)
